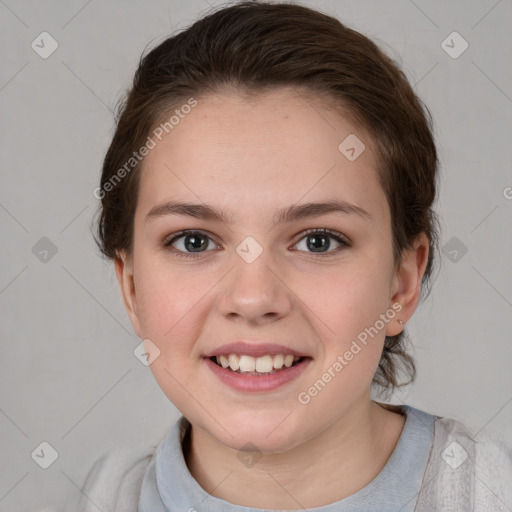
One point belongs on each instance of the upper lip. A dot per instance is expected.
(254, 349)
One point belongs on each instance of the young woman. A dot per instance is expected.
(267, 200)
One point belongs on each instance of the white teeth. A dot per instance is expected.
(247, 364)
(234, 361)
(278, 361)
(264, 364)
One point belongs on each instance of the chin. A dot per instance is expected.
(268, 432)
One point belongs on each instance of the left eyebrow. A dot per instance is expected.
(289, 214)
(306, 210)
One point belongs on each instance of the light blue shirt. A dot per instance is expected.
(168, 485)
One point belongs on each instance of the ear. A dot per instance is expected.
(124, 271)
(406, 285)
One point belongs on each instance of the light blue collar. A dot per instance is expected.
(168, 485)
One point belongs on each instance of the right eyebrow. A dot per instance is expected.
(289, 214)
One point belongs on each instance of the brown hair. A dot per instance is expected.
(256, 46)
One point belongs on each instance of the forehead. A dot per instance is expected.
(254, 155)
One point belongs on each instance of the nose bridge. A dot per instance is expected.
(254, 289)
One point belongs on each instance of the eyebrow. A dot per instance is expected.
(289, 214)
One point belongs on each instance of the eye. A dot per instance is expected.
(318, 241)
(193, 241)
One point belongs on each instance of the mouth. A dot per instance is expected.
(259, 372)
(257, 366)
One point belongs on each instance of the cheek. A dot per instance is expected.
(352, 346)
(351, 298)
(348, 306)
(165, 299)
(171, 309)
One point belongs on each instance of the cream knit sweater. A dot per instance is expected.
(463, 474)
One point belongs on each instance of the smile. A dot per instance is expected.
(257, 374)
(248, 365)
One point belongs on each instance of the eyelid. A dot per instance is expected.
(179, 234)
(339, 237)
(329, 232)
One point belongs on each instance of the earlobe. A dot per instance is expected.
(407, 282)
(125, 277)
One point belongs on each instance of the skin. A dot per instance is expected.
(250, 159)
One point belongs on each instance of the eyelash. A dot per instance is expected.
(323, 231)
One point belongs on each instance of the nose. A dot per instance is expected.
(255, 292)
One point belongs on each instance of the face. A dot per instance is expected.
(197, 282)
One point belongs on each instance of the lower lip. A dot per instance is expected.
(253, 383)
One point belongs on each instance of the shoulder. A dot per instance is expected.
(114, 480)
(486, 447)
(469, 467)
(490, 460)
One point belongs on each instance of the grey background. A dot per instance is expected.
(68, 373)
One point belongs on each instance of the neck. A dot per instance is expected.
(336, 463)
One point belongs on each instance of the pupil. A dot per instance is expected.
(317, 242)
(195, 242)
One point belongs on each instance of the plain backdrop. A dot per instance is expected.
(68, 374)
